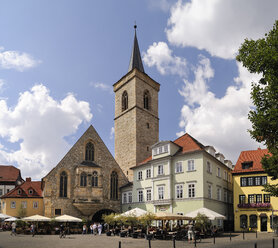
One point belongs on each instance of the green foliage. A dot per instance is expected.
(261, 56)
(202, 222)
(20, 223)
(147, 219)
(109, 219)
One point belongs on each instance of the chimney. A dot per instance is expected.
(28, 179)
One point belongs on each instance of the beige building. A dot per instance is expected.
(136, 114)
(85, 183)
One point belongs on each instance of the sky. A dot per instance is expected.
(59, 60)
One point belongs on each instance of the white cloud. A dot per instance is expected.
(219, 26)
(112, 133)
(221, 122)
(38, 124)
(16, 60)
(102, 86)
(2, 82)
(160, 55)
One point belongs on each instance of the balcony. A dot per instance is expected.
(254, 205)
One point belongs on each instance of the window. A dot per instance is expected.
(35, 204)
(160, 170)
(90, 152)
(257, 180)
(148, 173)
(225, 175)
(251, 198)
(218, 194)
(30, 191)
(191, 190)
(161, 192)
(247, 165)
(209, 191)
(242, 199)
(140, 175)
(149, 195)
(253, 221)
(253, 181)
(264, 180)
(243, 221)
(83, 179)
(124, 197)
(259, 198)
(146, 100)
(1, 192)
(190, 165)
(250, 181)
(63, 184)
(140, 195)
(225, 196)
(114, 186)
(179, 191)
(180, 222)
(13, 204)
(209, 167)
(95, 179)
(148, 125)
(229, 178)
(24, 204)
(178, 167)
(243, 181)
(124, 101)
(161, 149)
(129, 197)
(58, 211)
(19, 192)
(266, 198)
(218, 172)
(166, 148)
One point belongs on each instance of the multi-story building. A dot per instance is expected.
(180, 177)
(10, 177)
(253, 207)
(25, 198)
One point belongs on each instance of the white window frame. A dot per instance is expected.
(139, 175)
(30, 191)
(179, 191)
(140, 195)
(124, 200)
(160, 192)
(160, 169)
(218, 193)
(209, 167)
(218, 172)
(209, 191)
(225, 175)
(191, 190)
(191, 165)
(165, 148)
(148, 194)
(35, 204)
(148, 173)
(129, 197)
(178, 167)
(24, 204)
(13, 204)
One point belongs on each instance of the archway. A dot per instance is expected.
(97, 217)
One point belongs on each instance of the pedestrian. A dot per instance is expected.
(99, 227)
(190, 232)
(32, 230)
(84, 229)
(91, 228)
(95, 229)
(13, 229)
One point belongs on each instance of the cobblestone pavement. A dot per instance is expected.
(264, 240)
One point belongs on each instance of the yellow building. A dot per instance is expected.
(253, 208)
(24, 200)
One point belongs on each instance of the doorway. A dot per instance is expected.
(97, 217)
(263, 224)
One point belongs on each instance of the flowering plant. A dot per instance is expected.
(254, 205)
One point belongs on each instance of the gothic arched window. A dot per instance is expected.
(90, 152)
(83, 179)
(63, 184)
(124, 101)
(147, 100)
(114, 186)
(95, 179)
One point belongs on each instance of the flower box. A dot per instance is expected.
(254, 205)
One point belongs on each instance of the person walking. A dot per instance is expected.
(95, 229)
(13, 229)
(190, 232)
(99, 227)
(84, 229)
(91, 228)
(32, 230)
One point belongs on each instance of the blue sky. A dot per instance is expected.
(59, 60)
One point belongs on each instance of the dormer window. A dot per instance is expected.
(19, 192)
(160, 150)
(30, 192)
(247, 165)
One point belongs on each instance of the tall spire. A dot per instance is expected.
(135, 60)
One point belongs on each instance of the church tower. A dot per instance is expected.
(136, 114)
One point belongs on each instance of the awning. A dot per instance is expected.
(207, 212)
(263, 215)
(67, 218)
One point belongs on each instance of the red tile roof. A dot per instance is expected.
(254, 156)
(34, 185)
(187, 144)
(9, 173)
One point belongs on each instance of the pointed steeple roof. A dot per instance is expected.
(135, 60)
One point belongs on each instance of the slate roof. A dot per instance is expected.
(25, 186)
(186, 143)
(135, 59)
(254, 156)
(9, 173)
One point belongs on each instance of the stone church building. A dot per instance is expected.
(86, 182)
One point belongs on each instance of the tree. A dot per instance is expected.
(21, 212)
(202, 222)
(261, 56)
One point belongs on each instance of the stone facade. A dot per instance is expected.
(83, 201)
(136, 128)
